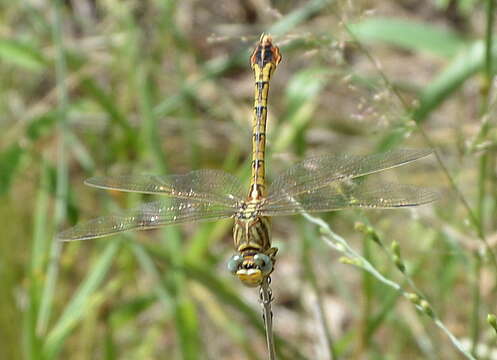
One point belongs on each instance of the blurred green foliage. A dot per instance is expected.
(113, 87)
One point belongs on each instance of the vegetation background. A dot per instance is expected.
(112, 87)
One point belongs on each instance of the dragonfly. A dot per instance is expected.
(318, 184)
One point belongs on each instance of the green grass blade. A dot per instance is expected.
(451, 78)
(463, 67)
(296, 17)
(62, 183)
(81, 302)
(184, 310)
(108, 104)
(302, 91)
(410, 35)
(40, 244)
(149, 267)
(41, 125)
(187, 327)
(9, 161)
(22, 55)
(39, 255)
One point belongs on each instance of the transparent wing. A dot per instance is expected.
(320, 171)
(202, 185)
(148, 216)
(341, 195)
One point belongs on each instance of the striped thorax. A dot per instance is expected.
(252, 237)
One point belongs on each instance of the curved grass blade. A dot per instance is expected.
(410, 35)
(21, 54)
(464, 66)
(81, 301)
(10, 159)
(291, 20)
(39, 252)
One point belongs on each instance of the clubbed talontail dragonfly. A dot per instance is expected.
(318, 184)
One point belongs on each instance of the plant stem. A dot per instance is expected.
(327, 340)
(489, 41)
(62, 171)
(483, 172)
(475, 316)
(340, 244)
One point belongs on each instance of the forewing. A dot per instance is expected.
(148, 216)
(320, 171)
(202, 185)
(349, 194)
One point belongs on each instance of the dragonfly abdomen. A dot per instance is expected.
(264, 60)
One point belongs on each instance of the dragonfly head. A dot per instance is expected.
(251, 269)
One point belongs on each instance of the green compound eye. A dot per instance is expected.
(234, 262)
(264, 263)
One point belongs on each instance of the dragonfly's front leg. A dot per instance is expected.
(271, 252)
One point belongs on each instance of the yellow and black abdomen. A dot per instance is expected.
(255, 257)
(263, 61)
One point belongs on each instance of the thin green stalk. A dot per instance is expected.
(482, 190)
(62, 170)
(394, 256)
(354, 258)
(39, 250)
(311, 277)
(483, 172)
(489, 34)
(367, 290)
(31, 342)
(475, 316)
(486, 124)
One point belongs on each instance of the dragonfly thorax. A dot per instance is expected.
(252, 240)
(248, 210)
